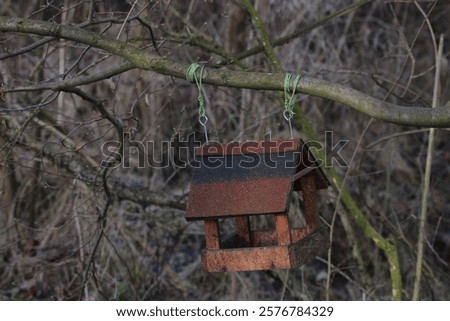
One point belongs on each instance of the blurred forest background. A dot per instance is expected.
(71, 230)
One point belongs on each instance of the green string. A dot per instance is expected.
(289, 100)
(191, 76)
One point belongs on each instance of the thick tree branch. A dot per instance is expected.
(411, 116)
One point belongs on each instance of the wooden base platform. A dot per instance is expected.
(264, 253)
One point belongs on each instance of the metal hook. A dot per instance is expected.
(288, 116)
(203, 120)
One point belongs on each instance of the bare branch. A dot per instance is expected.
(28, 48)
(302, 31)
(67, 84)
(373, 107)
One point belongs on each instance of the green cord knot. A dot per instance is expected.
(289, 100)
(191, 76)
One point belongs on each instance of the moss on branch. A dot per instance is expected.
(385, 245)
(373, 107)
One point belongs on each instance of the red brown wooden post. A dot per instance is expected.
(243, 229)
(212, 234)
(309, 200)
(283, 229)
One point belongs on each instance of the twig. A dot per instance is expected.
(263, 36)
(26, 49)
(391, 136)
(91, 13)
(203, 43)
(126, 19)
(61, 67)
(74, 82)
(152, 36)
(303, 31)
(338, 200)
(101, 221)
(78, 227)
(427, 175)
(46, 40)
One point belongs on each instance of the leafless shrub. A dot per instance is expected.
(71, 230)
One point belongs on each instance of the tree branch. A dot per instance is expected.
(338, 183)
(403, 115)
(26, 49)
(68, 84)
(263, 36)
(302, 31)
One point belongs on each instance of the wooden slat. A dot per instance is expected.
(268, 256)
(247, 259)
(264, 195)
(282, 229)
(243, 230)
(212, 234)
(309, 200)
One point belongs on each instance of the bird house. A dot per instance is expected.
(240, 180)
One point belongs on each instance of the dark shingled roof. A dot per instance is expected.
(248, 178)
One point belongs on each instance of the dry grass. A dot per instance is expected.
(51, 199)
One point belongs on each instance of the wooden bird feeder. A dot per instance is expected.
(240, 180)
